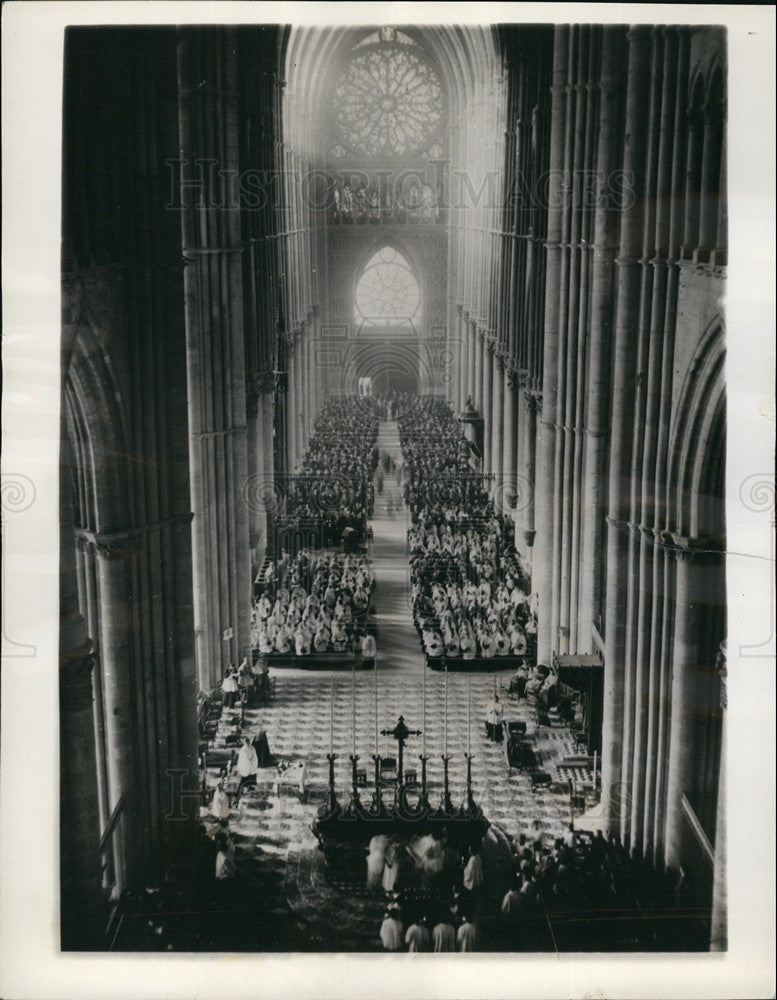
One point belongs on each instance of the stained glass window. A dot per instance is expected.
(388, 100)
(387, 293)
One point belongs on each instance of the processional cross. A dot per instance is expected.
(400, 733)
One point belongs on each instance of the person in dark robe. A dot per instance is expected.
(262, 748)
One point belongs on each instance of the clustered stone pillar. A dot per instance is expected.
(115, 618)
(473, 366)
(532, 403)
(546, 448)
(594, 503)
(259, 495)
(292, 417)
(719, 931)
(80, 869)
(497, 422)
(485, 408)
(509, 437)
(87, 574)
(699, 585)
(257, 526)
(628, 291)
(213, 301)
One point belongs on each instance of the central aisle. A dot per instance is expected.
(399, 648)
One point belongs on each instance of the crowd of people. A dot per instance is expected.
(315, 602)
(333, 489)
(470, 596)
(247, 685)
(595, 895)
(584, 892)
(414, 201)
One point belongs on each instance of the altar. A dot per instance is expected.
(344, 832)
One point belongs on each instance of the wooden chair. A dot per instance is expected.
(388, 772)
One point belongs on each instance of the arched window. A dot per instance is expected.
(387, 100)
(387, 293)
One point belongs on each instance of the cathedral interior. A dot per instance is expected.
(393, 423)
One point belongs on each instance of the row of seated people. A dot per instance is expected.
(333, 488)
(470, 597)
(436, 457)
(469, 621)
(477, 542)
(319, 602)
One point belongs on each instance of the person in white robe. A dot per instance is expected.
(444, 937)
(473, 871)
(247, 764)
(219, 806)
(417, 937)
(391, 932)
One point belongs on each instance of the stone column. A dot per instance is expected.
(268, 431)
(116, 613)
(81, 906)
(509, 444)
(85, 554)
(721, 238)
(292, 417)
(710, 180)
(257, 526)
(213, 303)
(463, 361)
(697, 585)
(532, 402)
(658, 389)
(719, 930)
(497, 421)
(594, 506)
(80, 869)
(628, 288)
(302, 394)
(486, 406)
(480, 353)
(473, 369)
(546, 450)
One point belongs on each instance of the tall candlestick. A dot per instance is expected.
(375, 668)
(469, 710)
(595, 755)
(445, 724)
(332, 715)
(353, 704)
(423, 715)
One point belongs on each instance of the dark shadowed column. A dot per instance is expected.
(213, 285)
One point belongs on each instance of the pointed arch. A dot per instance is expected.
(387, 292)
(697, 441)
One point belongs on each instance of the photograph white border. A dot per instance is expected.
(30, 962)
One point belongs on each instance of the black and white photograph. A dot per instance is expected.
(394, 487)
